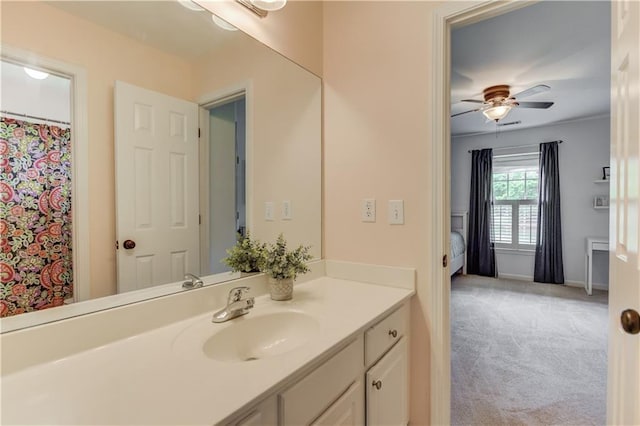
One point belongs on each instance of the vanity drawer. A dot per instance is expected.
(383, 335)
(308, 398)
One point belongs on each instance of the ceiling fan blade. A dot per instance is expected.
(539, 105)
(466, 112)
(477, 101)
(532, 91)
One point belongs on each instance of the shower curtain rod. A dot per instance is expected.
(35, 117)
(519, 146)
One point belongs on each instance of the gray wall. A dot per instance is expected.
(583, 153)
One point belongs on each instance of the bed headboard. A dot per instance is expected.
(459, 223)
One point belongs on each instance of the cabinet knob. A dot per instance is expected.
(393, 333)
(377, 384)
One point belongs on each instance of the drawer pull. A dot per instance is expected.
(377, 384)
(393, 333)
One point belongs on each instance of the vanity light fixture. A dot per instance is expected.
(190, 5)
(223, 24)
(497, 112)
(269, 5)
(263, 7)
(38, 75)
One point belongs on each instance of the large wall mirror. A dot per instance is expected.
(259, 116)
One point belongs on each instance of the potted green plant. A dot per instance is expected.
(282, 266)
(246, 255)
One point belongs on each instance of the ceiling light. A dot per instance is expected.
(223, 24)
(38, 75)
(269, 5)
(190, 5)
(497, 112)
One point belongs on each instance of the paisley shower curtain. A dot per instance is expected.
(35, 216)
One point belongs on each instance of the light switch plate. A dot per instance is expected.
(368, 210)
(268, 210)
(286, 210)
(396, 212)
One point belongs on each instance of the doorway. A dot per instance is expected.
(224, 179)
(36, 259)
(621, 391)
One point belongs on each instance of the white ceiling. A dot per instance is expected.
(563, 44)
(165, 25)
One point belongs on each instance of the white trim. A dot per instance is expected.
(445, 17)
(208, 101)
(80, 161)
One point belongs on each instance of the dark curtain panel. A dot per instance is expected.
(481, 258)
(548, 263)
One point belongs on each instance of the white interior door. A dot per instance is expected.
(623, 405)
(156, 138)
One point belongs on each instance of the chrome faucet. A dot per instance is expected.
(236, 305)
(193, 282)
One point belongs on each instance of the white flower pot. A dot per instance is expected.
(281, 289)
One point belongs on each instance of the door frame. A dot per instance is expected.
(445, 18)
(205, 103)
(79, 164)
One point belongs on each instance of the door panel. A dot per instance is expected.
(386, 384)
(624, 293)
(156, 187)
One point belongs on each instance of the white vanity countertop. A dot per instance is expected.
(145, 380)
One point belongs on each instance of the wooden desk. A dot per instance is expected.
(593, 244)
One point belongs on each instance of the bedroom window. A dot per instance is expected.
(515, 205)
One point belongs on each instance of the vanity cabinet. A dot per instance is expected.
(387, 375)
(364, 383)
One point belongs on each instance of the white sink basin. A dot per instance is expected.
(251, 338)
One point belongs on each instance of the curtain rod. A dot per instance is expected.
(35, 117)
(520, 146)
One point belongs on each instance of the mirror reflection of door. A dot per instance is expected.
(36, 252)
(226, 181)
(157, 223)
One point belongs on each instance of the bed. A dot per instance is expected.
(459, 221)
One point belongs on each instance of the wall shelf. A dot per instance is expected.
(602, 181)
(600, 207)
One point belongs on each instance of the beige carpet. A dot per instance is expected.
(525, 353)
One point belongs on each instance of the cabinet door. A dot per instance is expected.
(348, 410)
(386, 387)
(265, 414)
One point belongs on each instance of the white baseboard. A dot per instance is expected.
(515, 277)
(579, 284)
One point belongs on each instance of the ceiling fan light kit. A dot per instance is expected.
(498, 101)
(496, 113)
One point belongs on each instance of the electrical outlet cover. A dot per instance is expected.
(368, 210)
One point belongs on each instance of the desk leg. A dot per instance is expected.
(590, 274)
(586, 273)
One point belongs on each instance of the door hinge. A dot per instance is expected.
(117, 245)
(199, 220)
(445, 261)
(199, 134)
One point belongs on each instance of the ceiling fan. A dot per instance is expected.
(498, 101)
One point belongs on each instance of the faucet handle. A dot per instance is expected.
(236, 293)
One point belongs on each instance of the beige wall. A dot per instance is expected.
(377, 143)
(295, 31)
(107, 57)
(377, 140)
(285, 138)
